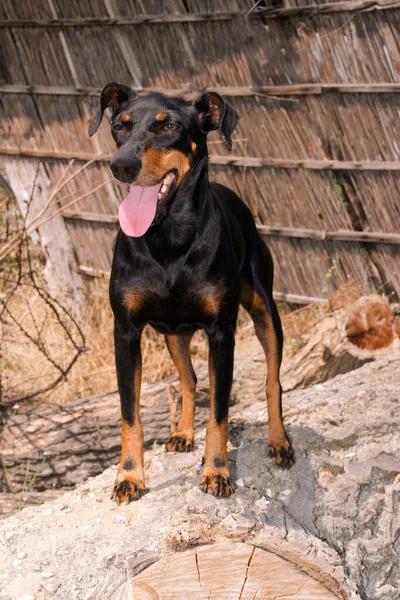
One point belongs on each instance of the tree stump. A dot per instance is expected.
(340, 342)
(222, 572)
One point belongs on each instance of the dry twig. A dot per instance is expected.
(26, 277)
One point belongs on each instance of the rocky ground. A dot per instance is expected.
(335, 514)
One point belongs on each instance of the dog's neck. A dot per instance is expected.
(176, 225)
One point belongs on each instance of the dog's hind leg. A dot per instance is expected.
(257, 300)
(179, 349)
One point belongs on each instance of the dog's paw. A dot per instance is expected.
(218, 485)
(180, 443)
(283, 453)
(127, 491)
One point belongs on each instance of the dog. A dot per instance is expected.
(186, 256)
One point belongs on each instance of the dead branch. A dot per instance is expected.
(27, 278)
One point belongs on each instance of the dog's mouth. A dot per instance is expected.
(137, 211)
(168, 185)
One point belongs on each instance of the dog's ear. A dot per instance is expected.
(113, 95)
(215, 113)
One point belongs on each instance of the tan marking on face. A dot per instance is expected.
(161, 117)
(125, 118)
(133, 301)
(210, 298)
(194, 146)
(157, 163)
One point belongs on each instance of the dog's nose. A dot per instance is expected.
(125, 168)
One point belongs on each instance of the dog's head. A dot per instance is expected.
(159, 139)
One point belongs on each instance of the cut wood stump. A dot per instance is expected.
(340, 342)
(223, 572)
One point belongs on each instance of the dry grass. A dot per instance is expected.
(23, 365)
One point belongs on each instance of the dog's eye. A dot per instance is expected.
(119, 127)
(170, 127)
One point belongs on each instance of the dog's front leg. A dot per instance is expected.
(216, 474)
(129, 484)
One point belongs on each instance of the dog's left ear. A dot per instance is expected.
(215, 113)
(113, 95)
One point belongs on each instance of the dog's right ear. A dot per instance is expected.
(113, 95)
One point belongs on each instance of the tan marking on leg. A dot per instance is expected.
(132, 300)
(179, 349)
(125, 118)
(129, 483)
(157, 163)
(161, 117)
(194, 146)
(265, 331)
(216, 473)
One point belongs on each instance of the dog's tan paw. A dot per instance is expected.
(180, 442)
(282, 451)
(128, 491)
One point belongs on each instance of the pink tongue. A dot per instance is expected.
(138, 210)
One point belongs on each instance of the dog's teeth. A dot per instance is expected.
(164, 188)
(159, 195)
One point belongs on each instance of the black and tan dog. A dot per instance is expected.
(187, 254)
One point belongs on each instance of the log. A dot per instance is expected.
(53, 446)
(253, 162)
(226, 570)
(333, 516)
(272, 91)
(340, 342)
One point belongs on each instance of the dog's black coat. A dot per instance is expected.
(202, 245)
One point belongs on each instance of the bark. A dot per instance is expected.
(56, 446)
(334, 515)
(340, 342)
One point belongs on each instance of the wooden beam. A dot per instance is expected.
(89, 216)
(58, 155)
(341, 235)
(269, 230)
(330, 7)
(268, 13)
(296, 299)
(271, 91)
(311, 164)
(232, 161)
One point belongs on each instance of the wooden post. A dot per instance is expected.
(61, 270)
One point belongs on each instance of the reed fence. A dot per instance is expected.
(316, 155)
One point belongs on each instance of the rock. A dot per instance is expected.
(339, 524)
(262, 503)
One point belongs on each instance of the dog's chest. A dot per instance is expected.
(176, 308)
